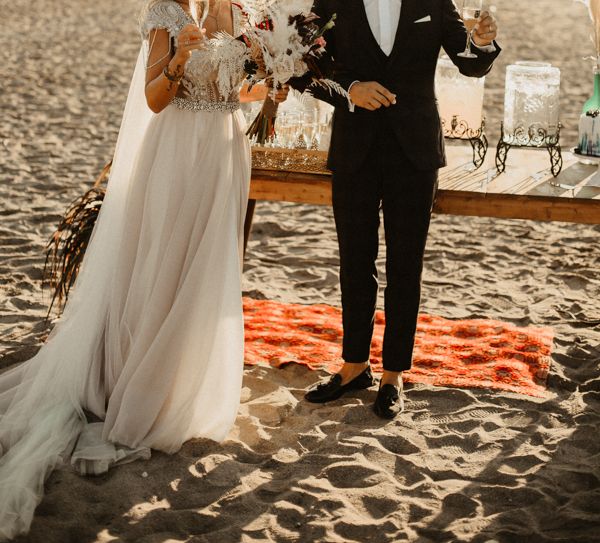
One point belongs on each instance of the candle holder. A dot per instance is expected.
(459, 129)
(534, 137)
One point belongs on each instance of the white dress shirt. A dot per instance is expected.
(384, 18)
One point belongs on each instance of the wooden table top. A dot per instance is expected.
(526, 190)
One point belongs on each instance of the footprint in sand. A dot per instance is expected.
(379, 507)
(353, 476)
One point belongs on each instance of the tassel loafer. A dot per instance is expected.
(333, 389)
(389, 401)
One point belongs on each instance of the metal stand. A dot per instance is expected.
(460, 130)
(534, 137)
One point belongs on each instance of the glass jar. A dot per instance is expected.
(460, 99)
(532, 98)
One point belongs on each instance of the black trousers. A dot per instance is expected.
(387, 180)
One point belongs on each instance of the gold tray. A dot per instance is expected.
(290, 160)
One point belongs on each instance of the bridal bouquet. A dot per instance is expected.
(283, 40)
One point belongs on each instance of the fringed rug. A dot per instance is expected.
(478, 353)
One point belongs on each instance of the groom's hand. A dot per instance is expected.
(486, 30)
(371, 95)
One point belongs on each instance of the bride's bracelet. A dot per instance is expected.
(175, 78)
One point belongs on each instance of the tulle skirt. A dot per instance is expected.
(156, 354)
(173, 360)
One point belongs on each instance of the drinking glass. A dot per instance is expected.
(470, 13)
(309, 125)
(199, 11)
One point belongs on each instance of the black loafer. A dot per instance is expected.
(389, 401)
(333, 389)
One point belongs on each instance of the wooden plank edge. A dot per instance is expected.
(450, 202)
(512, 206)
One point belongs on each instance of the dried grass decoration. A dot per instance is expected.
(594, 10)
(283, 42)
(67, 246)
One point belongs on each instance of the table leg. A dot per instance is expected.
(248, 222)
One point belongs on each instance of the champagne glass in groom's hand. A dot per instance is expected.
(470, 13)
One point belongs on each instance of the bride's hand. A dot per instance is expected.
(189, 39)
(280, 95)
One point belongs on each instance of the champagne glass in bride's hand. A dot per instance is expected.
(199, 11)
(470, 13)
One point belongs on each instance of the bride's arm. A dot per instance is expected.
(260, 92)
(161, 88)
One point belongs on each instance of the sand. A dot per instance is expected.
(458, 465)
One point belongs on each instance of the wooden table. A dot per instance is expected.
(525, 191)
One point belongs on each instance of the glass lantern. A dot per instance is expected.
(531, 111)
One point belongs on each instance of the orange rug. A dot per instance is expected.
(477, 353)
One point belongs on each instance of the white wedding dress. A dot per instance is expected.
(151, 339)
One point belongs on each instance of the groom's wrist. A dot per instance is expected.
(351, 104)
(485, 47)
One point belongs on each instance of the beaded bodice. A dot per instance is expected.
(213, 76)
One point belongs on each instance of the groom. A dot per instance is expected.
(386, 148)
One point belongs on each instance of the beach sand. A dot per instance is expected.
(458, 465)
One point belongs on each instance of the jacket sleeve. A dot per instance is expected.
(454, 39)
(326, 64)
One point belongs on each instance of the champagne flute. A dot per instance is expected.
(470, 13)
(199, 11)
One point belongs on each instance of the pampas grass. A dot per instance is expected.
(66, 248)
(594, 6)
(594, 10)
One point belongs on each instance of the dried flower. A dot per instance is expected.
(594, 10)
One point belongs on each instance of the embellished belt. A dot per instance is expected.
(204, 105)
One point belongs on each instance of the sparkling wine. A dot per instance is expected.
(470, 12)
(470, 17)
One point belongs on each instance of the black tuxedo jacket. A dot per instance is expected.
(408, 72)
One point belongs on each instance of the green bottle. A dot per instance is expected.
(593, 104)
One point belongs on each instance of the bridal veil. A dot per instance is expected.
(41, 413)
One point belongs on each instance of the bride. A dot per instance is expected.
(149, 350)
